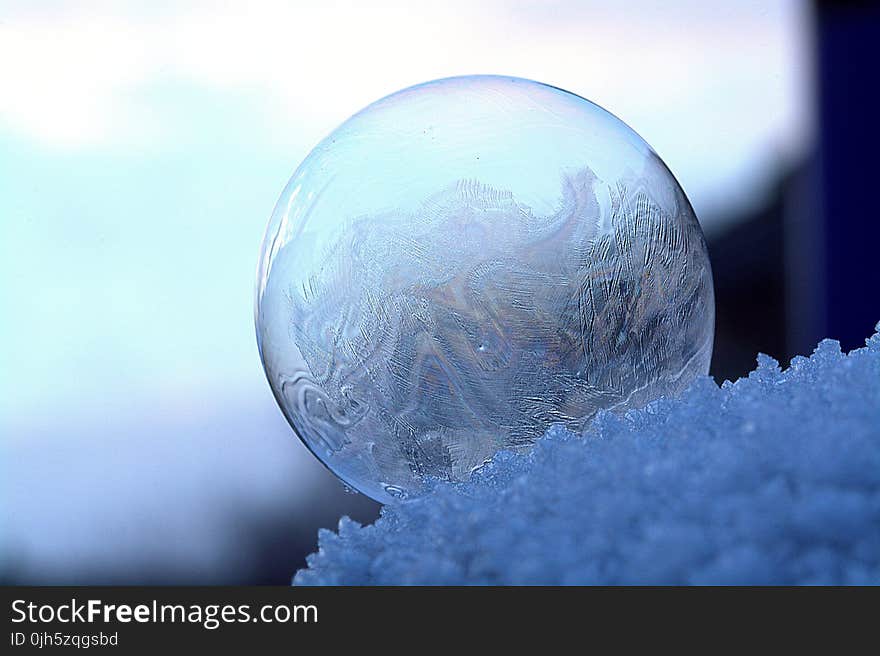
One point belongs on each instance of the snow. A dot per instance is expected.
(773, 479)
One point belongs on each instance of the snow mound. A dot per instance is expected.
(773, 479)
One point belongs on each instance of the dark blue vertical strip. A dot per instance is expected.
(848, 41)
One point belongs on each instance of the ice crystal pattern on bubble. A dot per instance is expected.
(489, 332)
(413, 325)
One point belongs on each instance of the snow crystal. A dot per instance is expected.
(773, 479)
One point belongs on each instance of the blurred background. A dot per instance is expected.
(143, 146)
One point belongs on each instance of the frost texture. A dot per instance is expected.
(424, 304)
(427, 363)
(774, 479)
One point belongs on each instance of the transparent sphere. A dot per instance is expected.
(466, 262)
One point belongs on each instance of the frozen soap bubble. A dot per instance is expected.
(466, 262)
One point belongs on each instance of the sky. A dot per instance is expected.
(143, 146)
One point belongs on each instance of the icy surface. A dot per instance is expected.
(774, 479)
